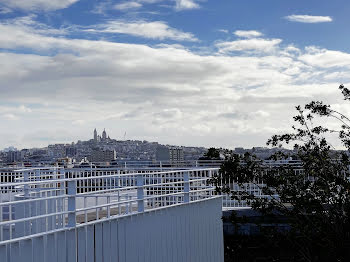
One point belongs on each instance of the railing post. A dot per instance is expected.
(61, 174)
(186, 187)
(72, 190)
(21, 210)
(118, 180)
(210, 174)
(25, 187)
(37, 175)
(71, 234)
(26, 207)
(140, 195)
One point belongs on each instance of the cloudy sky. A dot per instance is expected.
(185, 72)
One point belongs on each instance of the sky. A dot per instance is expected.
(182, 72)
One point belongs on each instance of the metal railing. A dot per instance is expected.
(36, 200)
(42, 200)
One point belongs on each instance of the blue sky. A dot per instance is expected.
(186, 72)
(210, 16)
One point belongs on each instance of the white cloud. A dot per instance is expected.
(337, 76)
(186, 4)
(79, 122)
(163, 93)
(223, 31)
(10, 116)
(325, 58)
(46, 5)
(29, 24)
(309, 18)
(252, 44)
(150, 1)
(127, 5)
(261, 114)
(103, 7)
(14, 112)
(154, 30)
(24, 109)
(248, 34)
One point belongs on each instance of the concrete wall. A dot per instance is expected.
(186, 233)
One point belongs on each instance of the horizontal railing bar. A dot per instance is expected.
(106, 190)
(164, 195)
(37, 168)
(177, 182)
(112, 203)
(14, 240)
(179, 204)
(31, 200)
(34, 218)
(201, 190)
(100, 196)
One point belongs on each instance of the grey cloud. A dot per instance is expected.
(229, 115)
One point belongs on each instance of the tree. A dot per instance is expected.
(315, 198)
(212, 154)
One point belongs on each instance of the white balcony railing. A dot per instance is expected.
(41, 200)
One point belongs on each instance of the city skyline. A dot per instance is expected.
(184, 72)
(95, 137)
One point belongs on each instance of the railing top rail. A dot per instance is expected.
(37, 168)
(102, 177)
(132, 168)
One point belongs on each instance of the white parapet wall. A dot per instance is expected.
(187, 232)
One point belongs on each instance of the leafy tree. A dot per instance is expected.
(314, 197)
(212, 154)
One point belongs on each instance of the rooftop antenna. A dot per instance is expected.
(124, 135)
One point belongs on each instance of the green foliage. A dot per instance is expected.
(315, 198)
(212, 154)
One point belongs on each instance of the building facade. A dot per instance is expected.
(98, 155)
(176, 155)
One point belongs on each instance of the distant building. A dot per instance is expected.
(13, 156)
(98, 138)
(162, 153)
(56, 151)
(102, 156)
(95, 136)
(65, 162)
(25, 153)
(11, 148)
(104, 135)
(169, 154)
(71, 151)
(240, 150)
(176, 155)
